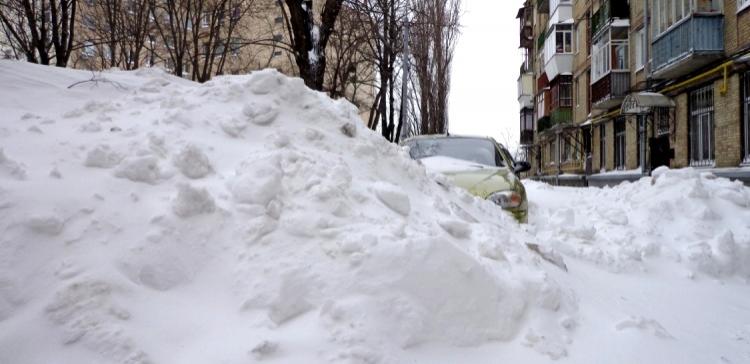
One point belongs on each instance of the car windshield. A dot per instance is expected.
(477, 150)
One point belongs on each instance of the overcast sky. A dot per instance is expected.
(484, 98)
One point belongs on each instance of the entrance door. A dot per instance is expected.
(660, 152)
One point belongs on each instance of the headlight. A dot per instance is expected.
(506, 199)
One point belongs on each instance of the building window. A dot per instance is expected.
(566, 93)
(662, 120)
(564, 39)
(702, 126)
(278, 20)
(88, 50)
(540, 106)
(602, 147)
(746, 115)
(640, 49)
(620, 143)
(277, 37)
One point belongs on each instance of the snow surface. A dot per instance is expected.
(147, 219)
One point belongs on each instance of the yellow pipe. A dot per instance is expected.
(724, 67)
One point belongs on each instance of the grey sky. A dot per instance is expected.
(483, 98)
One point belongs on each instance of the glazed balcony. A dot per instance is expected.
(560, 11)
(688, 45)
(608, 12)
(526, 89)
(558, 51)
(561, 116)
(610, 90)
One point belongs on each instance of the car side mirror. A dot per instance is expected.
(521, 167)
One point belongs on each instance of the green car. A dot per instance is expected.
(480, 165)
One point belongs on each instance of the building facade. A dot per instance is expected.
(652, 83)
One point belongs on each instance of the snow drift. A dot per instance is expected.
(146, 219)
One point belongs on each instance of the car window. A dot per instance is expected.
(477, 150)
(507, 156)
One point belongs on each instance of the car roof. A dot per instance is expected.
(450, 136)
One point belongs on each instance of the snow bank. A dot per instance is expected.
(146, 219)
(691, 218)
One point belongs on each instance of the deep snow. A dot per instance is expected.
(147, 219)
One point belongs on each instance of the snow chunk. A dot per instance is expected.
(192, 201)
(144, 169)
(47, 225)
(265, 82)
(102, 156)
(457, 229)
(257, 181)
(192, 162)
(264, 349)
(260, 112)
(644, 324)
(393, 197)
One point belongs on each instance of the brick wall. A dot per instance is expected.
(727, 124)
(610, 144)
(680, 140)
(631, 142)
(736, 27)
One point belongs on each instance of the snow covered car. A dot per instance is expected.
(480, 165)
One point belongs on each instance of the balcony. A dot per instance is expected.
(526, 31)
(526, 89)
(562, 115)
(610, 90)
(558, 51)
(527, 137)
(526, 38)
(694, 42)
(560, 11)
(607, 13)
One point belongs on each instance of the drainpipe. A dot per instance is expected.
(647, 46)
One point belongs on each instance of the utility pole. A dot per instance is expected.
(405, 72)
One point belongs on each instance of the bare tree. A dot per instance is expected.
(173, 22)
(383, 20)
(309, 41)
(42, 30)
(436, 29)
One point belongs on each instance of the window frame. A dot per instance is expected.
(640, 49)
(621, 155)
(603, 147)
(702, 119)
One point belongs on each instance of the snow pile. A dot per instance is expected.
(685, 216)
(146, 219)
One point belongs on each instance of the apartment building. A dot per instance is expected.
(654, 83)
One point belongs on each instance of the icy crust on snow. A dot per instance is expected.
(248, 218)
(690, 217)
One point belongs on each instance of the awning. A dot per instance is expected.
(643, 102)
